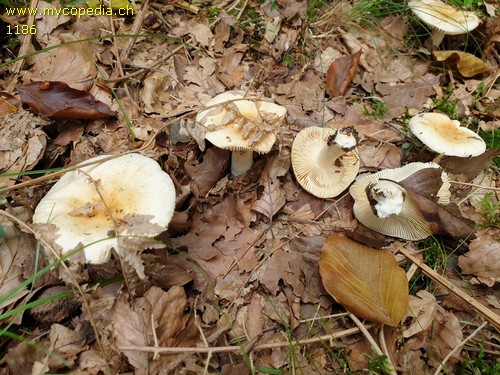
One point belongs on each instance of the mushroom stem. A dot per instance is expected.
(241, 162)
(437, 37)
(343, 141)
(386, 198)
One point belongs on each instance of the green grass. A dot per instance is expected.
(479, 365)
(490, 209)
(376, 109)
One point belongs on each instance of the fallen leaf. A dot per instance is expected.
(465, 63)
(22, 143)
(273, 196)
(483, 258)
(473, 165)
(340, 74)
(56, 99)
(367, 282)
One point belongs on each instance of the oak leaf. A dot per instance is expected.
(367, 282)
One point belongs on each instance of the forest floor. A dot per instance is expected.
(233, 286)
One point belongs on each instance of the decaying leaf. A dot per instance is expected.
(465, 63)
(22, 144)
(473, 165)
(367, 282)
(273, 196)
(483, 258)
(56, 99)
(340, 74)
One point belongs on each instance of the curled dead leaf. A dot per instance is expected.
(56, 99)
(367, 282)
(340, 74)
(465, 63)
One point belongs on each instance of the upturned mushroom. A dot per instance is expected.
(324, 160)
(241, 126)
(383, 205)
(443, 19)
(86, 204)
(445, 136)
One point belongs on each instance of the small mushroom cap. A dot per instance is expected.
(130, 185)
(444, 17)
(323, 179)
(445, 136)
(410, 223)
(234, 131)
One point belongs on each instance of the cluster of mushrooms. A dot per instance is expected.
(325, 160)
(90, 204)
(325, 163)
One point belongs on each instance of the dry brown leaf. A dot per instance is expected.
(465, 63)
(340, 74)
(22, 144)
(483, 258)
(206, 174)
(15, 247)
(473, 165)
(130, 328)
(56, 99)
(273, 196)
(367, 282)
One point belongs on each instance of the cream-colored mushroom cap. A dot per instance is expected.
(384, 206)
(443, 19)
(129, 185)
(445, 136)
(252, 127)
(324, 160)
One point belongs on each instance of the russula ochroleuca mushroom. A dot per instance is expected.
(324, 160)
(241, 126)
(383, 205)
(81, 202)
(443, 19)
(445, 136)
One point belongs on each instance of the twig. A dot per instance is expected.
(475, 185)
(237, 348)
(488, 314)
(372, 342)
(458, 347)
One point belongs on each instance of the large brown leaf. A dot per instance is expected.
(465, 63)
(58, 100)
(367, 282)
(340, 74)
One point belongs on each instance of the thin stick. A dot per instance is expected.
(372, 342)
(475, 185)
(237, 348)
(458, 347)
(488, 314)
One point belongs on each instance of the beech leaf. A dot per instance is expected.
(56, 99)
(367, 282)
(340, 74)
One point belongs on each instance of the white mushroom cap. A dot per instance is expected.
(130, 185)
(443, 18)
(445, 136)
(324, 160)
(383, 205)
(251, 127)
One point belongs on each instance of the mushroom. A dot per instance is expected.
(443, 19)
(383, 205)
(324, 160)
(81, 202)
(445, 136)
(241, 126)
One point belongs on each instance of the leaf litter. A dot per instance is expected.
(236, 278)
